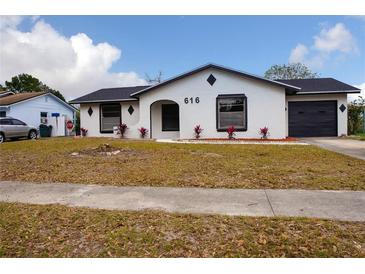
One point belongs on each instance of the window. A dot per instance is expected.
(109, 117)
(232, 111)
(2, 113)
(5, 122)
(16, 122)
(170, 117)
(44, 117)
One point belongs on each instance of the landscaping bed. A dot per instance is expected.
(58, 231)
(148, 163)
(289, 139)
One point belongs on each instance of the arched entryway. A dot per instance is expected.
(165, 120)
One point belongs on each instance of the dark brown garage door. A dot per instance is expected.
(313, 118)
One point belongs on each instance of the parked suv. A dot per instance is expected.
(14, 128)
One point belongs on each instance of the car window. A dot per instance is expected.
(5, 122)
(18, 122)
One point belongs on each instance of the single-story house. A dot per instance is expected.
(35, 108)
(216, 97)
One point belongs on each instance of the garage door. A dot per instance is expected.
(312, 118)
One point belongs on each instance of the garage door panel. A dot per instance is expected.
(312, 118)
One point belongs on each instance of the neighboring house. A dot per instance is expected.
(217, 97)
(35, 108)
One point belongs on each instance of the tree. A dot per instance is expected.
(290, 71)
(27, 83)
(155, 80)
(24, 83)
(355, 114)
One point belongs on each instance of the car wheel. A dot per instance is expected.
(32, 134)
(2, 138)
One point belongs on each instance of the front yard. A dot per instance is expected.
(58, 231)
(146, 163)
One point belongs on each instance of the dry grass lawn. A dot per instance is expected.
(201, 165)
(58, 231)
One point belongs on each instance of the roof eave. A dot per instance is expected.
(329, 92)
(102, 101)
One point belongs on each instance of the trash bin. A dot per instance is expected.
(45, 131)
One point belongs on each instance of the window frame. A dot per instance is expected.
(44, 117)
(228, 96)
(162, 118)
(100, 116)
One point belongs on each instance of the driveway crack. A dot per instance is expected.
(268, 200)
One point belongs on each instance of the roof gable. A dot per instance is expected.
(26, 96)
(288, 87)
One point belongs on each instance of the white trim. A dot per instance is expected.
(327, 92)
(100, 101)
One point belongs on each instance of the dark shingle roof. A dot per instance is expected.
(18, 97)
(320, 85)
(109, 95)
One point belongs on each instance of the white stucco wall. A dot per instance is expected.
(265, 103)
(265, 107)
(340, 98)
(92, 123)
(156, 115)
(29, 111)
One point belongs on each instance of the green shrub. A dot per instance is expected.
(356, 111)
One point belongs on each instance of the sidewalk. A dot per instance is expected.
(340, 205)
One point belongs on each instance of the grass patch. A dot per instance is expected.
(147, 163)
(58, 231)
(361, 136)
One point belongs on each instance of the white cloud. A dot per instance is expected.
(74, 65)
(331, 41)
(337, 38)
(352, 97)
(298, 54)
(10, 21)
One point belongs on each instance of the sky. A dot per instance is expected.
(80, 54)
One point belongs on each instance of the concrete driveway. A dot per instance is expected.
(353, 148)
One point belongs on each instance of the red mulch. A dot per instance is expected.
(288, 139)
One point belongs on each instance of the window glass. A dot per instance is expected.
(5, 122)
(231, 112)
(170, 117)
(44, 117)
(109, 117)
(16, 122)
(2, 113)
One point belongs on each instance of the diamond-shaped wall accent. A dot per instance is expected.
(90, 111)
(342, 108)
(211, 79)
(130, 110)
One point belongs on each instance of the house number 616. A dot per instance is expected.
(191, 100)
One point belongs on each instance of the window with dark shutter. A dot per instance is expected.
(170, 117)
